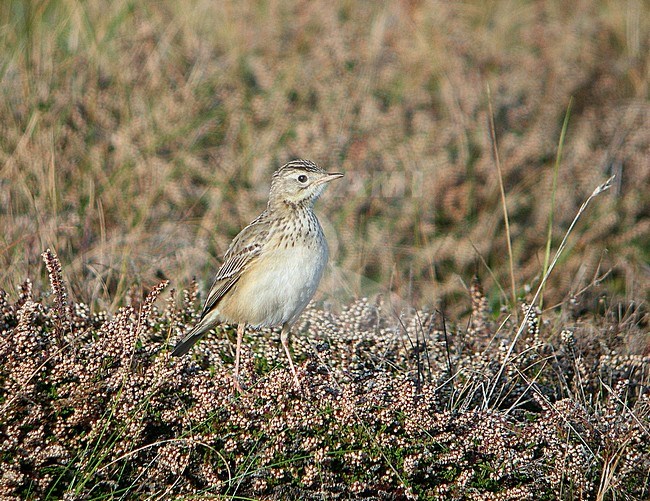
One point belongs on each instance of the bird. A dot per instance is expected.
(272, 268)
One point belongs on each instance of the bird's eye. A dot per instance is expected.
(302, 178)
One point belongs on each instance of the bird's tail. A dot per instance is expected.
(191, 339)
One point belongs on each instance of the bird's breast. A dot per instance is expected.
(278, 286)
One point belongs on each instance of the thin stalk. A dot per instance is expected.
(556, 170)
(506, 220)
(601, 188)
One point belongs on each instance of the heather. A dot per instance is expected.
(390, 407)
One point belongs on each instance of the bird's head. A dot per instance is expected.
(299, 182)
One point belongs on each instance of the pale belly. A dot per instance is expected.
(277, 288)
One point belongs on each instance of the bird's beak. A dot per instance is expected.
(331, 176)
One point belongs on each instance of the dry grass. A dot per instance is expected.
(136, 140)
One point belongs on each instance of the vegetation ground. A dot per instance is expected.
(138, 138)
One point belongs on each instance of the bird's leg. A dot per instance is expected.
(240, 337)
(284, 337)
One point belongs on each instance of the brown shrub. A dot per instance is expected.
(392, 407)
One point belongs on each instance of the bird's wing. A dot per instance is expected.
(244, 250)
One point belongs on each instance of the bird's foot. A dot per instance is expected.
(300, 388)
(237, 387)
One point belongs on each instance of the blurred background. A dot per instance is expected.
(137, 138)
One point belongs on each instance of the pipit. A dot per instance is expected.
(273, 266)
